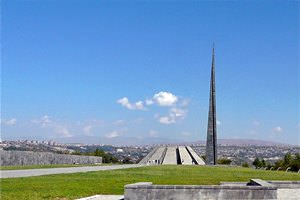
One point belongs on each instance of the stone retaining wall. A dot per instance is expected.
(147, 191)
(43, 158)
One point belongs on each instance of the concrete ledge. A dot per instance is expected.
(286, 184)
(147, 191)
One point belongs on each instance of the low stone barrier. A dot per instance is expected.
(147, 191)
(43, 158)
(286, 184)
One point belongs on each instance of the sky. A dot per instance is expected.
(107, 71)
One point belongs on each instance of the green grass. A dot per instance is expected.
(71, 186)
(47, 166)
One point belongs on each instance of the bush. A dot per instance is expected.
(224, 161)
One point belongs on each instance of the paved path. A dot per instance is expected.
(282, 194)
(291, 194)
(40, 172)
(104, 197)
(170, 157)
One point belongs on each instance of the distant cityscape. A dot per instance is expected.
(237, 153)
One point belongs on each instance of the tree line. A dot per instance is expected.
(289, 161)
(106, 157)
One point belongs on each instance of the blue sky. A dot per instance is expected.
(140, 69)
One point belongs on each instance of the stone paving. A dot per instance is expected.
(40, 172)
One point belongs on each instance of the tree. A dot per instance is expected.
(203, 157)
(106, 157)
(127, 160)
(76, 153)
(263, 163)
(257, 163)
(99, 152)
(287, 159)
(295, 163)
(245, 164)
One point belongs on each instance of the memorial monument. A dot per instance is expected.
(211, 141)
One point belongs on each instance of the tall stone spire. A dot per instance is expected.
(211, 141)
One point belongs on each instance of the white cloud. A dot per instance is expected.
(278, 129)
(139, 105)
(46, 122)
(166, 120)
(153, 133)
(149, 102)
(175, 114)
(112, 134)
(179, 113)
(9, 122)
(87, 130)
(43, 121)
(165, 99)
(219, 123)
(131, 106)
(161, 99)
(119, 122)
(63, 131)
(184, 133)
(252, 132)
(138, 121)
(185, 102)
(125, 102)
(256, 123)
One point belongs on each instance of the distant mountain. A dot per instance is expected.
(117, 141)
(121, 141)
(248, 142)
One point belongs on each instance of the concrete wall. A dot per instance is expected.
(185, 157)
(43, 158)
(198, 159)
(148, 156)
(147, 191)
(157, 157)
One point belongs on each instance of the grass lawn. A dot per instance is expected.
(48, 166)
(71, 186)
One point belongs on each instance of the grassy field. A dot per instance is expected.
(71, 186)
(47, 166)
